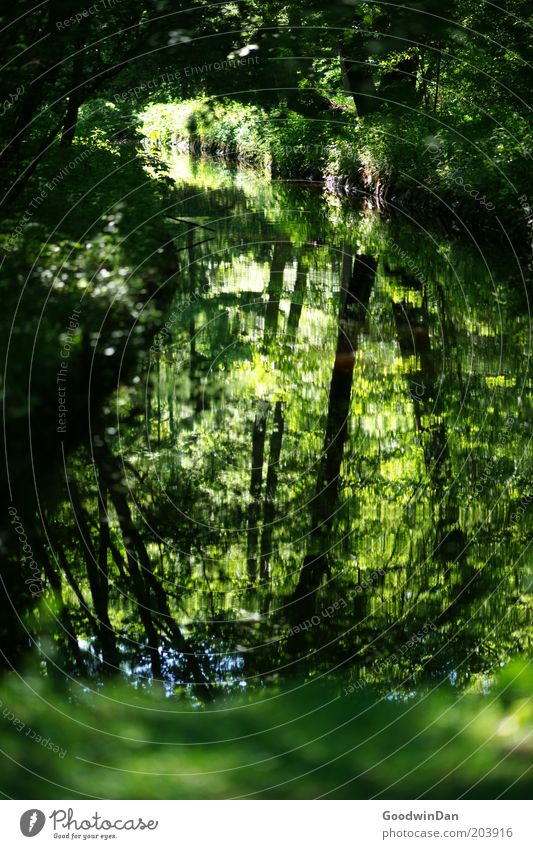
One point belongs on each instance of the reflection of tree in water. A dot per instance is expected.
(144, 566)
(457, 582)
(357, 279)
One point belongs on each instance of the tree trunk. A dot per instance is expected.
(275, 288)
(269, 509)
(358, 82)
(357, 281)
(148, 590)
(256, 484)
(70, 123)
(97, 575)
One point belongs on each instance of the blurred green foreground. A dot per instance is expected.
(314, 740)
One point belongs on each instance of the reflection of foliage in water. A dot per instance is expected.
(318, 411)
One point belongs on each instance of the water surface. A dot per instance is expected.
(319, 464)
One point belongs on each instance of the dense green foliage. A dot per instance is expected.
(268, 447)
(312, 741)
(411, 100)
(231, 382)
(390, 156)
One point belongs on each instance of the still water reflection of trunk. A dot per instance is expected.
(304, 424)
(256, 484)
(357, 278)
(148, 588)
(269, 508)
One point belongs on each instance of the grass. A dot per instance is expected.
(304, 742)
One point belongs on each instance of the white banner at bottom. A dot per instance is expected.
(264, 824)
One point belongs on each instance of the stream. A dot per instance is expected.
(316, 462)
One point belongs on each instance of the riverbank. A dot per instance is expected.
(396, 160)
